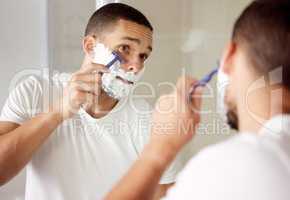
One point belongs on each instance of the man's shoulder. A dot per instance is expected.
(38, 89)
(244, 145)
(233, 169)
(245, 153)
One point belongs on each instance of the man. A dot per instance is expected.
(252, 165)
(87, 140)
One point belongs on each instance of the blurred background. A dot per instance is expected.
(189, 38)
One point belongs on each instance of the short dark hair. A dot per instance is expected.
(110, 14)
(264, 29)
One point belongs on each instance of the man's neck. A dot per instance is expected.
(260, 107)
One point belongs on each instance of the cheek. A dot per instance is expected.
(232, 92)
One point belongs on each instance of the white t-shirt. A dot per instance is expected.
(249, 166)
(84, 157)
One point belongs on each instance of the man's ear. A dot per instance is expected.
(89, 42)
(227, 58)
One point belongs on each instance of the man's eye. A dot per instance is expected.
(143, 57)
(124, 49)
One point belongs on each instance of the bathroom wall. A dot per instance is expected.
(36, 34)
(68, 20)
(23, 39)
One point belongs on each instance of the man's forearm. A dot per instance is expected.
(173, 125)
(143, 178)
(18, 146)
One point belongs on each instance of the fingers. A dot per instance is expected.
(88, 78)
(78, 98)
(88, 99)
(196, 100)
(86, 82)
(85, 87)
(184, 85)
(94, 68)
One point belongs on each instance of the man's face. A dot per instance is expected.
(132, 41)
(233, 66)
(232, 115)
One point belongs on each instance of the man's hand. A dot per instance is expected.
(19, 142)
(174, 121)
(175, 118)
(83, 88)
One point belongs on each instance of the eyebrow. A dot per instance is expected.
(136, 41)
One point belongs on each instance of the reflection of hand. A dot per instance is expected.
(175, 118)
(174, 123)
(82, 88)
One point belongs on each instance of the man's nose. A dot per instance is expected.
(133, 65)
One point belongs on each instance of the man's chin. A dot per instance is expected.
(232, 120)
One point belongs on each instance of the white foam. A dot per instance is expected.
(113, 86)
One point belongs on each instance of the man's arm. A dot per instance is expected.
(18, 143)
(174, 123)
(142, 180)
(161, 190)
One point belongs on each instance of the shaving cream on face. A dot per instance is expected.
(117, 83)
(222, 85)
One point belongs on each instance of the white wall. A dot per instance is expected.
(23, 39)
(68, 20)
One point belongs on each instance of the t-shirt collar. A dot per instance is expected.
(277, 125)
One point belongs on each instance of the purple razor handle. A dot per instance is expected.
(201, 83)
(117, 58)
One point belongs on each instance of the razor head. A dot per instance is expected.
(203, 82)
(116, 58)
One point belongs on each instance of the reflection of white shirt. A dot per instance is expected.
(84, 157)
(247, 167)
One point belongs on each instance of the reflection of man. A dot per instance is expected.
(80, 156)
(252, 165)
